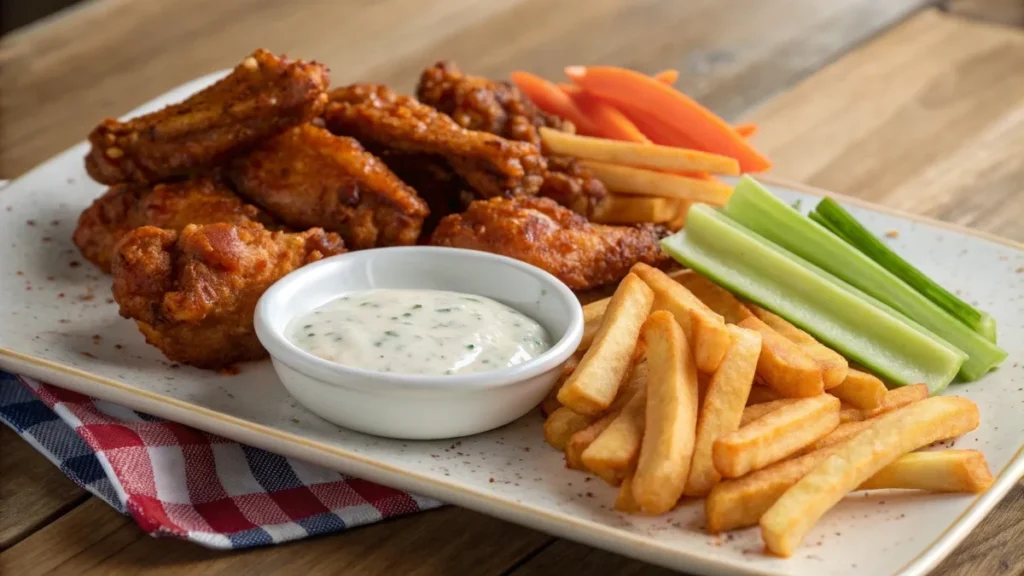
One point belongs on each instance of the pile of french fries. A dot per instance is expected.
(680, 389)
(647, 182)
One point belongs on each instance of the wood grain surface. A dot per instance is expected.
(885, 100)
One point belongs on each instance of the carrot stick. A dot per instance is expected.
(667, 76)
(630, 90)
(608, 121)
(746, 130)
(546, 96)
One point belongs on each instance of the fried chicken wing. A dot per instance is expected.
(444, 191)
(309, 177)
(263, 96)
(500, 108)
(173, 206)
(491, 165)
(193, 293)
(540, 232)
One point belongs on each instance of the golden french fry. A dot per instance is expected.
(704, 329)
(671, 416)
(860, 389)
(722, 406)
(833, 365)
(786, 523)
(897, 398)
(623, 209)
(937, 471)
(755, 411)
(718, 299)
(628, 180)
(775, 435)
(741, 502)
(667, 158)
(562, 424)
(842, 433)
(592, 387)
(615, 450)
(783, 366)
(761, 393)
(579, 441)
(593, 314)
(550, 402)
(850, 414)
(679, 220)
(625, 502)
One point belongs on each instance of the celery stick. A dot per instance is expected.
(753, 206)
(809, 297)
(834, 217)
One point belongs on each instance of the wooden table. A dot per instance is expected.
(896, 101)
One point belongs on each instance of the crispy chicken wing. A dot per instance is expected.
(444, 191)
(500, 108)
(193, 293)
(263, 96)
(125, 207)
(492, 166)
(309, 177)
(540, 232)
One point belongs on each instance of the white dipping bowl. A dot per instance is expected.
(415, 406)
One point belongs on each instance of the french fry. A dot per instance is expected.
(704, 329)
(850, 414)
(775, 435)
(592, 387)
(842, 433)
(755, 411)
(671, 415)
(639, 181)
(897, 398)
(722, 406)
(622, 209)
(761, 393)
(593, 314)
(625, 502)
(562, 424)
(860, 389)
(787, 522)
(833, 366)
(550, 402)
(783, 366)
(718, 299)
(636, 381)
(936, 471)
(666, 158)
(679, 220)
(615, 450)
(579, 441)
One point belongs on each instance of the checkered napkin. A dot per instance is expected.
(181, 482)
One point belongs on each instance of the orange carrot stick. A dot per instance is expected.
(609, 122)
(546, 96)
(632, 91)
(667, 76)
(746, 130)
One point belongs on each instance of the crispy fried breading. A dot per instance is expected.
(309, 177)
(500, 108)
(444, 191)
(263, 96)
(492, 166)
(193, 293)
(173, 206)
(542, 233)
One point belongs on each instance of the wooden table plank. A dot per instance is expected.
(58, 80)
(1007, 12)
(928, 119)
(32, 490)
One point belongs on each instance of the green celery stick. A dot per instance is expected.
(834, 217)
(832, 311)
(753, 206)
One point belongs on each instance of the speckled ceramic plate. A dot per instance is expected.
(60, 325)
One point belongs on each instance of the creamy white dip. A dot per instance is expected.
(419, 332)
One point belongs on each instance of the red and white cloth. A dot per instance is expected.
(181, 482)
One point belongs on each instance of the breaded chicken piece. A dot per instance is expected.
(492, 166)
(478, 103)
(444, 191)
(193, 293)
(556, 239)
(173, 206)
(308, 177)
(263, 96)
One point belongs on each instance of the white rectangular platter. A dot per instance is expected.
(59, 324)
